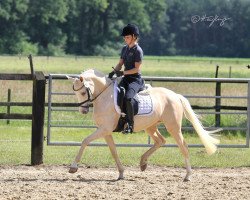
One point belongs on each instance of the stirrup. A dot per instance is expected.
(128, 129)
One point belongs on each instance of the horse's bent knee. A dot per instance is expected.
(163, 141)
(86, 141)
(158, 144)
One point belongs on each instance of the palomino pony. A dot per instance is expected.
(168, 108)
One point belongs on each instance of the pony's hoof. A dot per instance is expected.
(120, 178)
(73, 170)
(144, 167)
(186, 179)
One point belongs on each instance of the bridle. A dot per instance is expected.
(90, 95)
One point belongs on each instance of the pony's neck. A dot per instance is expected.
(99, 80)
(100, 84)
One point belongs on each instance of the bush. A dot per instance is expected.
(28, 48)
(52, 50)
(109, 49)
(18, 43)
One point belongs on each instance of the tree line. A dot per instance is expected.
(217, 28)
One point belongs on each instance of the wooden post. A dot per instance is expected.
(217, 100)
(38, 108)
(8, 107)
(218, 104)
(31, 65)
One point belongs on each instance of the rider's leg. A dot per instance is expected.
(129, 116)
(132, 89)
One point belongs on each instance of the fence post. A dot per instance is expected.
(31, 65)
(218, 104)
(38, 118)
(217, 100)
(8, 107)
(248, 115)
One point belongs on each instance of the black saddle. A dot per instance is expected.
(120, 98)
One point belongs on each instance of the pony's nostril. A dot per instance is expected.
(83, 110)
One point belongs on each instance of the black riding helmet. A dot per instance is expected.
(130, 29)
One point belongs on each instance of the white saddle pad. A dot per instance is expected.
(145, 104)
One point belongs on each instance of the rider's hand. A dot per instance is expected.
(119, 73)
(111, 74)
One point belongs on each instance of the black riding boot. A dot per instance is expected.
(129, 117)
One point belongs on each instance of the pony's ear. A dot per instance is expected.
(81, 78)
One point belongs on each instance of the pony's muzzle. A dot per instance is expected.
(83, 109)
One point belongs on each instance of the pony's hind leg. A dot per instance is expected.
(173, 122)
(177, 135)
(159, 140)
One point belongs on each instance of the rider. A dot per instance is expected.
(131, 58)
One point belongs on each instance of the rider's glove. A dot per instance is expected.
(111, 74)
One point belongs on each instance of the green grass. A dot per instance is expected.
(15, 149)
(15, 139)
(152, 66)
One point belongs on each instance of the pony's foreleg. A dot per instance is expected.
(97, 134)
(159, 140)
(112, 147)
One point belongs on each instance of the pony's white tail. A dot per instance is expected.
(207, 140)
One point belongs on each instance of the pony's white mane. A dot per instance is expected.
(95, 74)
(92, 72)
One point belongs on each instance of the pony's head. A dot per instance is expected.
(83, 88)
(89, 82)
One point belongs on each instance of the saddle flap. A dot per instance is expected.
(144, 105)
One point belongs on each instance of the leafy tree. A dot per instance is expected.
(13, 39)
(93, 27)
(158, 41)
(45, 20)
